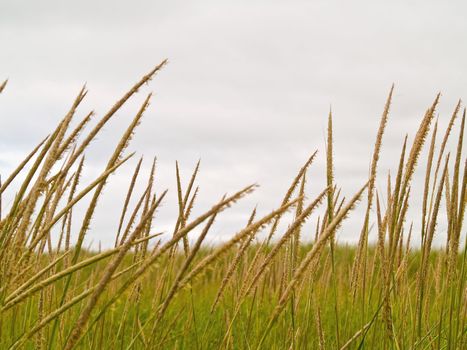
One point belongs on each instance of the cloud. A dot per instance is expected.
(248, 87)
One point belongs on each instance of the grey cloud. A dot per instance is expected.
(247, 90)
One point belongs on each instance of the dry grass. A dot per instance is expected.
(245, 293)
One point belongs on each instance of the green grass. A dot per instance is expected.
(189, 324)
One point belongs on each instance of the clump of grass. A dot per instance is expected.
(277, 292)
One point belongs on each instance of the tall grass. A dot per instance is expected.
(280, 292)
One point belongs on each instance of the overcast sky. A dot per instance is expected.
(247, 89)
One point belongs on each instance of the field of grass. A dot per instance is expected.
(263, 288)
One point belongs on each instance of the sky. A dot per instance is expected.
(247, 90)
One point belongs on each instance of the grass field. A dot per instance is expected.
(266, 287)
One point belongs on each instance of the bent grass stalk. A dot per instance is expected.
(389, 291)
